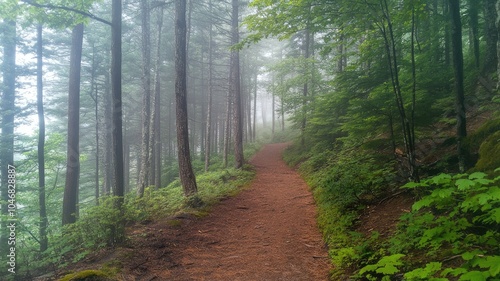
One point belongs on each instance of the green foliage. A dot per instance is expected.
(425, 273)
(96, 227)
(458, 217)
(164, 202)
(384, 268)
(340, 182)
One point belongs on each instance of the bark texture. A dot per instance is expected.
(70, 200)
(188, 179)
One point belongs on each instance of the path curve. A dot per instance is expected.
(267, 232)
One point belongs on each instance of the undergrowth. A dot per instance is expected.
(95, 228)
(452, 232)
(341, 184)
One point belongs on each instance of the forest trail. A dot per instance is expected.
(266, 232)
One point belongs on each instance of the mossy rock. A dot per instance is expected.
(87, 275)
(473, 142)
(489, 154)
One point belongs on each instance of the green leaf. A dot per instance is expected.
(494, 263)
(443, 193)
(491, 262)
(414, 185)
(441, 179)
(494, 216)
(386, 265)
(424, 202)
(475, 276)
(477, 175)
(464, 184)
(467, 256)
(388, 269)
(424, 273)
(453, 271)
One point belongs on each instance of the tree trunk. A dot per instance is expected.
(95, 98)
(126, 159)
(249, 107)
(146, 99)
(458, 67)
(447, 43)
(70, 201)
(498, 42)
(305, 89)
(227, 131)
(340, 50)
(188, 179)
(156, 114)
(41, 142)
(406, 125)
(491, 35)
(411, 131)
(116, 92)
(234, 89)
(474, 30)
(254, 131)
(108, 146)
(203, 121)
(7, 104)
(208, 140)
(273, 107)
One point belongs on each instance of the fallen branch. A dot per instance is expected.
(391, 196)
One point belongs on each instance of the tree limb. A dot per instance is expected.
(54, 7)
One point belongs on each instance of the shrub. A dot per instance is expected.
(457, 219)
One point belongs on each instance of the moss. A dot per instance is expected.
(88, 275)
(174, 222)
(473, 142)
(489, 154)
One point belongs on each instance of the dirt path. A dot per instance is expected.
(267, 232)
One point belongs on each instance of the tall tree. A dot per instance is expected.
(305, 47)
(117, 121)
(458, 69)
(497, 21)
(70, 201)
(491, 35)
(188, 179)
(108, 136)
(474, 30)
(387, 30)
(7, 107)
(146, 100)
(116, 93)
(41, 142)
(234, 88)
(208, 134)
(156, 114)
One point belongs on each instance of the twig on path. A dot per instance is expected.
(391, 196)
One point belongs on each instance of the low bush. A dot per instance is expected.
(341, 185)
(451, 233)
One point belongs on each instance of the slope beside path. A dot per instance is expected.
(266, 232)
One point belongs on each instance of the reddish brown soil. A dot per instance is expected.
(384, 216)
(267, 232)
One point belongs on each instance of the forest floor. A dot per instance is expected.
(266, 232)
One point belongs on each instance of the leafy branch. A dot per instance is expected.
(69, 9)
